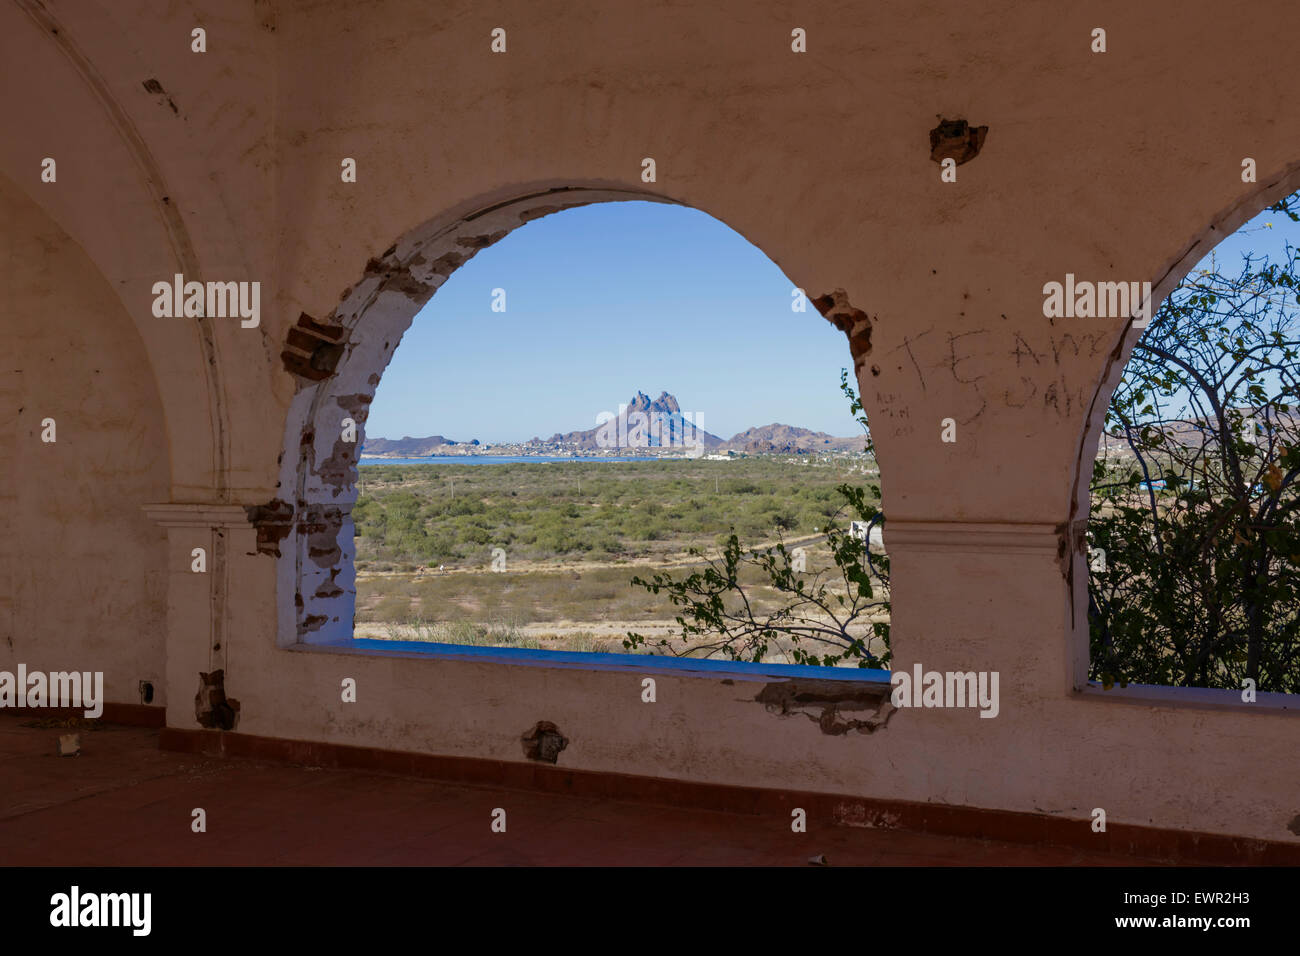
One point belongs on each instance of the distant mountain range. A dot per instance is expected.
(790, 438)
(641, 423)
(408, 447)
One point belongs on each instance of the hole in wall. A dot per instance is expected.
(544, 742)
(212, 708)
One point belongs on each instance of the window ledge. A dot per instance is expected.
(582, 660)
(1203, 698)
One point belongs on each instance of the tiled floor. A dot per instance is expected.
(124, 802)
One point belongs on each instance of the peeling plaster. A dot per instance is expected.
(313, 349)
(272, 521)
(544, 742)
(956, 139)
(321, 527)
(1072, 538)
(853, 322)
(860, 815)
(212, 708)
(825, 701)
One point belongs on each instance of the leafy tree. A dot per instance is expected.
(827, 615)
(1195, 525)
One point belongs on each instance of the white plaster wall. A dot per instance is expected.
(83, 566)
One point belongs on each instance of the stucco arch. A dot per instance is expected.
(340, 361)
(116, 198)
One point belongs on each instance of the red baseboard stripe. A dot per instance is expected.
(1178, 846)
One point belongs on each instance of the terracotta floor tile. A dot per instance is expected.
(125, 802)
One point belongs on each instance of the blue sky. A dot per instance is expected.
(1264, 236)
(601, 301)
(607, 299)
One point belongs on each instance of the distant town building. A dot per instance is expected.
(861, 530)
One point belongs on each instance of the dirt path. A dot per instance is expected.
(674, 562)
(558, 630)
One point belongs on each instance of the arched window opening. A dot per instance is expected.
(618, 416)
(1194, 534)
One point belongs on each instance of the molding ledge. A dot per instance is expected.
(902, 535)
(198, 515)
